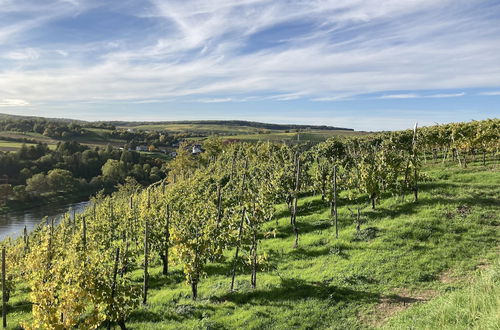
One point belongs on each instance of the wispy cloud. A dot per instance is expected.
(13, 103)
(445, 95)
(22, 54)
(414, 95)
(492, 93)
(216, 100)
(399, 96)
(250, 50)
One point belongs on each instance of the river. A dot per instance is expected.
(12, 223)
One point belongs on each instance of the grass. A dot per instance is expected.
(247, 133)
(311, 135)
(94, 137)
(476, 306)
(410, 254)
(202, 128)
(14, 146)
(27, 135)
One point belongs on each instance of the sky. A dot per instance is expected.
(362, 64)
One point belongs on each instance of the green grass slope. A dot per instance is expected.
(477, 306)
(410, 260)
(342, 283)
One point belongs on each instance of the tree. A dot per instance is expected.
(5, 192)
(37, 184)
(114, 171)
(61, 180)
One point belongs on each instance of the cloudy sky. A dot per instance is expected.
(365, 64)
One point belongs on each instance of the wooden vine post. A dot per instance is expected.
(254, 259)
(113, 283)
(240, 229)
(84, 233)
(335, 201)
(146, 254)
(4, 292)
(167, 240)
(295, 198)
(25, 239)
(415, 173)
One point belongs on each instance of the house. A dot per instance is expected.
(173, 154)
(197, 149)
(141, 148)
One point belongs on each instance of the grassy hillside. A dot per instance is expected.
(417, 256)
(102, 133)
(13, 146)
(247, 133)
(94, 137)
(308, 135)
(475, 306)
(243, 124)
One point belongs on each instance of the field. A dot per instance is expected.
(14, 146)
(310, 135)
(246, 133)
(98, 137)
(410, 268)
(95, 137)
(199, 128)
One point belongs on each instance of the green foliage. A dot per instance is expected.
(86, 271)
(476, 306)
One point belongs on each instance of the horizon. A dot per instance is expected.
(202, 121)
(364, 65)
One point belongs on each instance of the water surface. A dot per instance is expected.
(12, 223)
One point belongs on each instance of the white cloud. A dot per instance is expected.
(400, 96)
(13, 103)
(444, 95)
(492, 93)
(61, 52)
(414, 96)
(216, 100)
(202, 51)
(22, 55)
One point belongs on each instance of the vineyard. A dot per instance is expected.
(267, 235)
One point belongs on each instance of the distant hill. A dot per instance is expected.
(4, 116)
(235, 123)
(242, 123)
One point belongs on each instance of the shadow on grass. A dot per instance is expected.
(303, 227)
(19, 307)
(218, 268)
(296, 289)
(307, 253)
(160, 280)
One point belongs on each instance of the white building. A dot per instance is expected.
(197, 149)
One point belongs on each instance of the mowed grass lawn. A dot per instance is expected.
(409, 256)
(201, 128)
(14, 146)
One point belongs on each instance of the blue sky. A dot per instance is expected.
(368, 65)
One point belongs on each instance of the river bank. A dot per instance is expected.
(12, 224)
(54, 200)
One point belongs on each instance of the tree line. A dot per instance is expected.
(37, 172)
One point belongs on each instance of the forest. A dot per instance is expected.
(36, 174)
(238, 216)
